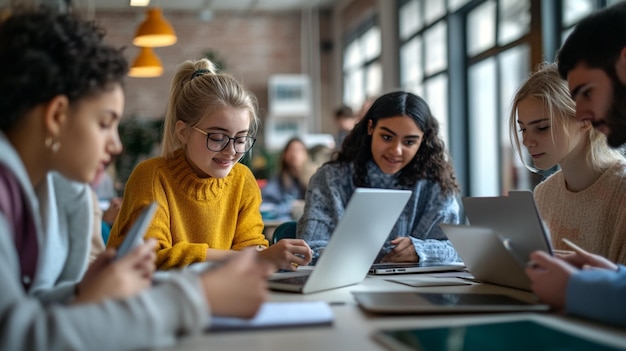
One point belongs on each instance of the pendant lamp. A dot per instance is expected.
(146, 65)
(155, 31)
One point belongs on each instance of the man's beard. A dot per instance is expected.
(616, 116)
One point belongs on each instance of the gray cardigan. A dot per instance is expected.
(331, 187)
(40, 321)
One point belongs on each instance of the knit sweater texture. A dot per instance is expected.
(330, 190)
(193, 213)
(593, 218)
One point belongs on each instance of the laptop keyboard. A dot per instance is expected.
(297, 280)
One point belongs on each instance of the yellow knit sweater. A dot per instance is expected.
(194, 213)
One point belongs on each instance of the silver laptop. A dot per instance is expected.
(354, 244)
(415, 267)
(486, 256)
(515, 218)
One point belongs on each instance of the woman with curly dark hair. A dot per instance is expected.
(395, 146)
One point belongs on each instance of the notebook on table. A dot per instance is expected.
(279, 315)
(354, 244)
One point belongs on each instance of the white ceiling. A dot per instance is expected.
(212, 5)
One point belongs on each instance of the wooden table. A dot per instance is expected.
(353, 327)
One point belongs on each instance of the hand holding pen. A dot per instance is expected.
(549, 275)
(585, 260)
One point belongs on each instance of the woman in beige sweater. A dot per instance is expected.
(584, 201)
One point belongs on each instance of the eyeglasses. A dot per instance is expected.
(217, 142)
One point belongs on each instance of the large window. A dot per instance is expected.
(513, 65)
(492, 84)
(422, 24)
(467, 58)
(483, 128)
(499, 58)
(495, 40)
(572, 11)
(361, 66)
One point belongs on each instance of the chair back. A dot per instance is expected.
(284, 230)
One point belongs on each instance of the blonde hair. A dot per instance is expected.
(198, 90)
(546, 86)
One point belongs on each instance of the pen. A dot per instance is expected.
(574, 247)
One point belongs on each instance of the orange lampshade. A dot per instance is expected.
(155, 31)
(146, 65)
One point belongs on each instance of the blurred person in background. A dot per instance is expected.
(345, 120)
(286, 189)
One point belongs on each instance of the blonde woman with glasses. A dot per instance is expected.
(584, 201)
(209, 203)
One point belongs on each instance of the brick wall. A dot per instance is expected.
(253, 46)
(355, 13)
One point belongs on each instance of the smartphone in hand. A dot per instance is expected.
(134, 237)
